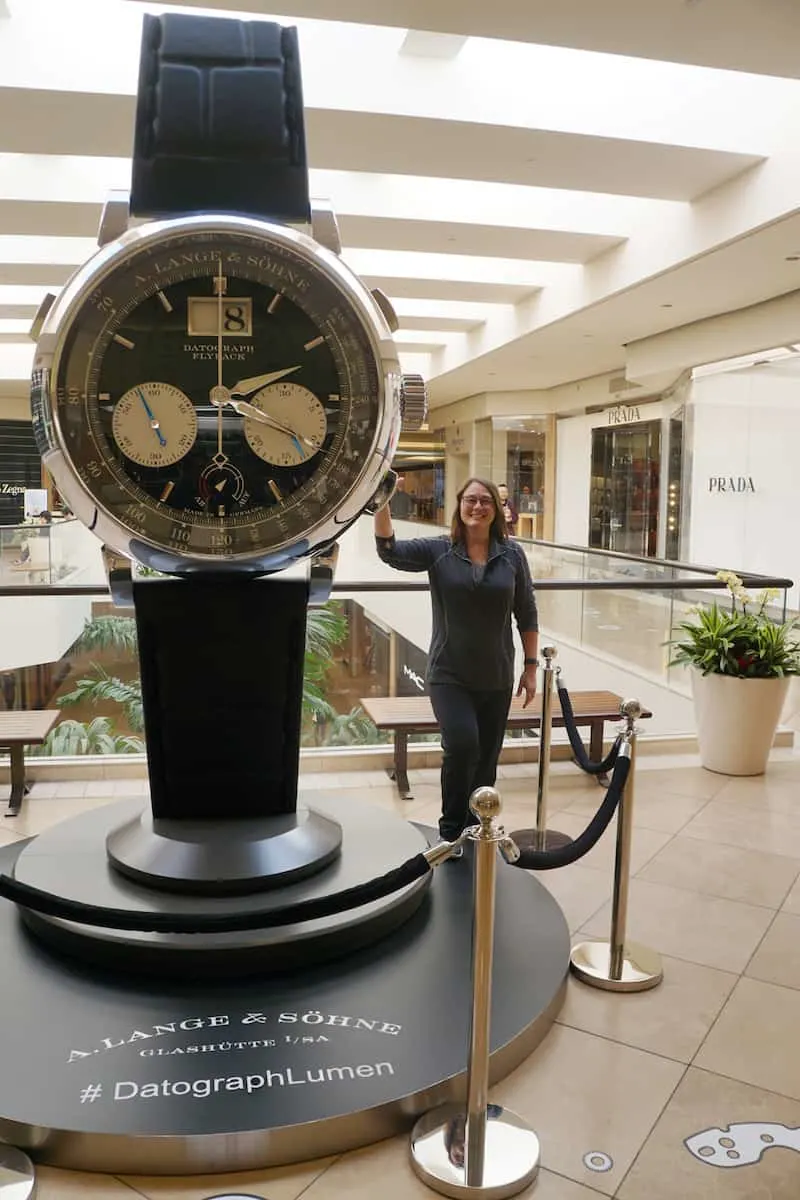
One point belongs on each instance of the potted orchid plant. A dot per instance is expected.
(741, 662)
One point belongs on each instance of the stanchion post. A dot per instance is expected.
(545, 738)
(544, 838)
(485, 1152)
(618, 965)
(481, 1016)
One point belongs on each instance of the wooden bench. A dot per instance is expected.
(413, 714)
(18, 730)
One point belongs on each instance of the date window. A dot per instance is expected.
(205, 317)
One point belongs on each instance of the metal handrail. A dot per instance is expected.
(762, 580)
(750, 577)
(540, 585)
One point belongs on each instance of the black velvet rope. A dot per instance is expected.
(562, 856)
(165, 922)
(577, 745)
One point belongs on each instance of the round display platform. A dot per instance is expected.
(106, 1071)
(70, 861)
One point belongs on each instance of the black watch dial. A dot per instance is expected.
(217, 394)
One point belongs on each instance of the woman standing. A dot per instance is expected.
(478, 579)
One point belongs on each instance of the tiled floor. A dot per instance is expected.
(716, 890)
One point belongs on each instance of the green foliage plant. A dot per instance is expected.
(742, 641)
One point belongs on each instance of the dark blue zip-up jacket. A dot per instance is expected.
(471, 640)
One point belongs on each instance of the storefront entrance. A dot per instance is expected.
(624, 495)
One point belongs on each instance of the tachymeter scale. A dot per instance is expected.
(154, 424)
(299, 425)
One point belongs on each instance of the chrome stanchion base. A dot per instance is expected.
(17, 1176)
(640, 969)
(510, 1158)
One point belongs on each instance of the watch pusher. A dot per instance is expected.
(387, 308)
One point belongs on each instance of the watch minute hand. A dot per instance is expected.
(255, 414)
(245, 386)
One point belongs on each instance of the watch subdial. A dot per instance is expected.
(221, 487)
(294, 427)
(154, 424)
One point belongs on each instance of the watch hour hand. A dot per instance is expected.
(245, 386)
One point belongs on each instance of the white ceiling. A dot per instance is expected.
(533, 184)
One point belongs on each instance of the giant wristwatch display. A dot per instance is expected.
(212, 387)
(217, 396)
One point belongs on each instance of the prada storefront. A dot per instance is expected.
(631, 500)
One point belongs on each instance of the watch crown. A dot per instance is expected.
(413, 402)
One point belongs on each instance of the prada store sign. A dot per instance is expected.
(623, 414)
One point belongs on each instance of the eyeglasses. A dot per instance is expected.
(477, 501)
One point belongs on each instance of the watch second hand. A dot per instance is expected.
(154, 425)
(219, 352)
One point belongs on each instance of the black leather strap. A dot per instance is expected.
(221, 662)
(219, 120)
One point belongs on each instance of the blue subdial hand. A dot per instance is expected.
(154, 425)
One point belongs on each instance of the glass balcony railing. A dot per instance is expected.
(60, 551)
(64, 645)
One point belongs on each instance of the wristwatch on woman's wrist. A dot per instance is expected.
(531, 662)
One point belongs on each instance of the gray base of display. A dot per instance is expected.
(224, 857)
(108, 1071)
(17, 1176)
(507, 1163)
(70, 861)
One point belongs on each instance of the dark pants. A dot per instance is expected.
(472, 725)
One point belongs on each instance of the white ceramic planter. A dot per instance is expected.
(736, 721)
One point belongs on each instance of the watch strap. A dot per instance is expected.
(219, 120)
(221, 663)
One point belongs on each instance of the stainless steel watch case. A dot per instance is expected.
(118, 243)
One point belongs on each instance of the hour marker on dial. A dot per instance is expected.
(276, 491)
(123, 341)
(165, 495)
(165, 304)
(312, 345)
(274, 302)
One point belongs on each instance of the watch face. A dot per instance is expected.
(215, 390)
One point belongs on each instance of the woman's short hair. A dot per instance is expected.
(498, 528)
